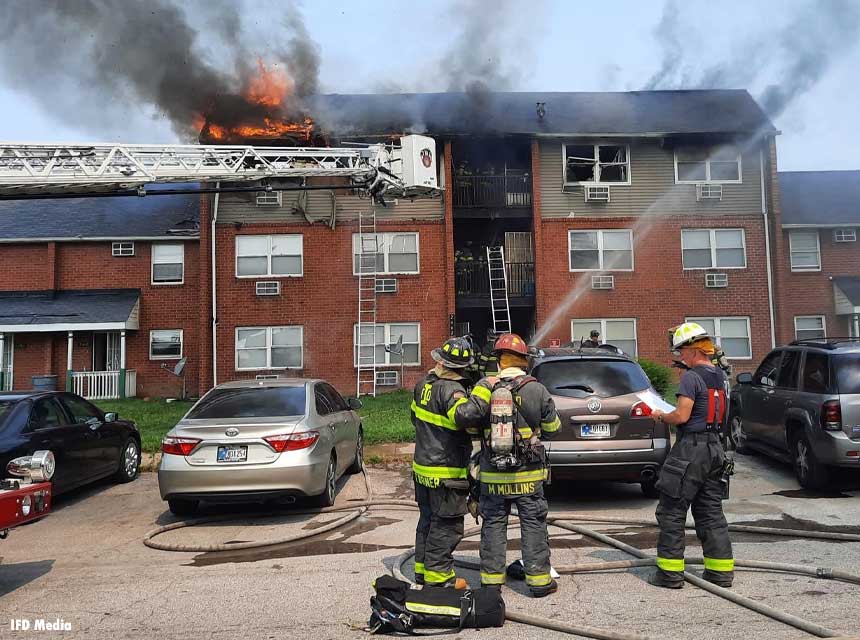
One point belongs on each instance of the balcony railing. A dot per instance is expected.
(103, 385)
(493, 191)
(472, 279)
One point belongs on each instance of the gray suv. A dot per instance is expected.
(802, 405)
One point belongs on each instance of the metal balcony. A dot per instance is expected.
(472, 282)
(493, 191)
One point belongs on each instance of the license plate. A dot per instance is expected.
(232, 454)
(599, 430)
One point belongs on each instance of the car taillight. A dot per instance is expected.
(293, 441)
(640, 410)
(831, 415)
(178, 446)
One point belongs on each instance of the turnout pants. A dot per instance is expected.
(439, 531)
(532, 511)
(690, 478)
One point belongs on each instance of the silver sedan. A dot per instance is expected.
(261, 440)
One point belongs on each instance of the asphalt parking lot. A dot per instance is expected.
(86, 565)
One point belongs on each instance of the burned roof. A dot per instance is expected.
(41, 310)
(820, 198)
(152, 216)
(570, 113)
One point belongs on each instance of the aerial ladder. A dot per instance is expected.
(377, 171)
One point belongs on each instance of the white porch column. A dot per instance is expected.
(122, 364)
(2, 353)
(69, 362)
(856, 321)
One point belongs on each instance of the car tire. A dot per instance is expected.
(183, 507)
(810, 472)
(649, 489)
(326, 498)
(357, 465)
(737, 435)
(129, 462)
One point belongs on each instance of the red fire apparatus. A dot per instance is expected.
(27, 496)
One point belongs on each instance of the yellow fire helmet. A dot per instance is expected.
(687, 333)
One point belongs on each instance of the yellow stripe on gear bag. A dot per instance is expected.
(492, 578)
(535, 475)
(525, 432)
(719, 564)
(437, 577)
(540, 580)
(670, 564)
(453, 409)
(421, 607)
(482, 392)
(549, 427)
(438, 472)
(433, 418)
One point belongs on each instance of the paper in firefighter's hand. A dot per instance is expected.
(654, 401)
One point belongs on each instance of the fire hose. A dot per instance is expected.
(562, 521)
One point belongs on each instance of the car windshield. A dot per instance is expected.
(847, 367)
(585, 378)
(6, 407)
(263, 402)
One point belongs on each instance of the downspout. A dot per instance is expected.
(214, 290)
(766, 250)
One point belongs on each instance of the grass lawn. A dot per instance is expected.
(386, 418)
(154, 417)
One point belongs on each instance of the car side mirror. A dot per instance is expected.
(111, 416)
(354, 403)
(744, 378)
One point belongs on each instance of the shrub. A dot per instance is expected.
(661, 376)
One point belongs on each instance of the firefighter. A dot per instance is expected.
(692, 474)
(439, 468)
(488, 360)
(593, 339)
(515, 477)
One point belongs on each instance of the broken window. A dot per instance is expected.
(708, 164)
(594, 163)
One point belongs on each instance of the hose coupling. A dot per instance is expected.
(824, 573)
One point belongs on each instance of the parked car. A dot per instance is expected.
(87, 443)
(261, 440)
(802, 405)
(606, 429)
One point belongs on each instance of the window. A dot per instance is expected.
(805, 251)
(596, 163)
(389, 334)
(788, 372)
(333, 398)
(168, 263)
(256, 402)
(80, 410)
(809, 327)
(269, 256)
(165, 344)
(707, 164)
(322, 403)
(269, 198)
(607, 378)
(46, 414)
(620, 333)
(396, 253)
(122, 249)
(732, 334)
(845, 234)
(765, 375)
(816, 373)
(601, 250)
(269, 348)
(713, 248)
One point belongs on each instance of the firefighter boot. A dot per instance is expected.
(660, 580)
(542, 592)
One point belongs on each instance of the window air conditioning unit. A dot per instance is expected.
(602, 282)
(268, 288)
(387, 378)
(386, 285)
(596, 194)
(267, 376)
(122, 249)
(716, 280)
(705, 191)
(269, 198)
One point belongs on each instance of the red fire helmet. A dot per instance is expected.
(513, 343)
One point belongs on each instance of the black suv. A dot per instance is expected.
(802, 405)
(606, 429)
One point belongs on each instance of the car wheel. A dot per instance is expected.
(358, 464)
(326, 498)
(811, 474)
(739, 438)
(649, 488)
(129, 462)
(183, 507)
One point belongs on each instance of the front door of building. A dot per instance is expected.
(6, 362)
(106, 351)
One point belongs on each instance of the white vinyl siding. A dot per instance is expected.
(389, 334)
(168, 263)
(269, 256)
(609, 250)
(714, 248)
(164, 344)
(732, 334)
(619, 332)
(269, 348)
(397, 253)
(809, 327)
(707, 164)
(805, 250)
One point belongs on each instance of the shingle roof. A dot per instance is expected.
(120, 217)
(66, 307)
(820, 198)
(633, 112)
(850, 287)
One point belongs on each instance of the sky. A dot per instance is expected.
(534, 45)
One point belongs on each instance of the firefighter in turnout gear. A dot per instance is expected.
(513, 410)
(692, 474)
(439, 468)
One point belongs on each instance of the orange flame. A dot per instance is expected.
(268, 87)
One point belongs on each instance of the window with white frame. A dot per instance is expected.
(732, 334)
(805, 250)
(601, 250)
(165, 344)
(809, 327)
(388, 335)
(269, 348)
(713, 248)
(122, 249)
(845, 234)
(596, 163)
(707, 164)
(619, 332)
(397, 253)
(168, 263)
(276, 256)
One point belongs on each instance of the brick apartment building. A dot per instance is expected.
(626, 212)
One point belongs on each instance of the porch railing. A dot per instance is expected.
(472, 279)
(493, 191)
(103, 385)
